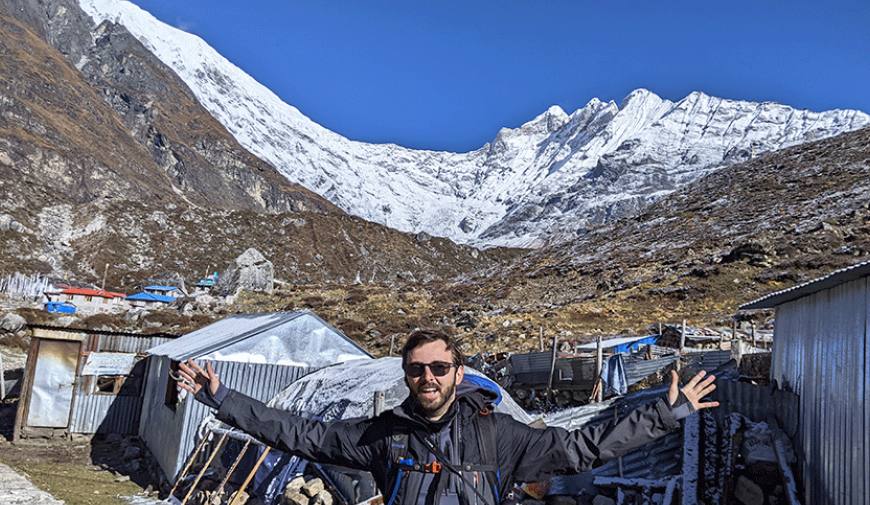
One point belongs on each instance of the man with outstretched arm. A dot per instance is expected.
(444, 445)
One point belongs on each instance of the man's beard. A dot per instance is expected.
(433, 406)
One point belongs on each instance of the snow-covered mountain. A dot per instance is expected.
(551, 177)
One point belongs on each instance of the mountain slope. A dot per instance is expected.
(82, 186)
(552, 177)
(700, 252)
(203, 162)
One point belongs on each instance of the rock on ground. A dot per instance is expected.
(15, 489)
(11, 323)
(251, 271)
(312, 487)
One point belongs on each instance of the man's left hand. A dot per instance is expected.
(695, 390)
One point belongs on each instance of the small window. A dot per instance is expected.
(108, 384)
(89, 298)
(171, 398)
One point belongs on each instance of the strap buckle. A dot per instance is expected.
(433, 467)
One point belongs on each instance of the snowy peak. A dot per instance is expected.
(548, 178)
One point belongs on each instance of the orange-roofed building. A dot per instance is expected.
(90, 300)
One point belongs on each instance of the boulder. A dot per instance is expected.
(12, 323)
(312, 487)
(204, 302)
(67, 321)
(294, 498)
(132, 452)
(251, 271)
(295, 484)
(322, 498)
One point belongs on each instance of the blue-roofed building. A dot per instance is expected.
(206, 284)
(145, 299)
(621, 344)
(158, 289)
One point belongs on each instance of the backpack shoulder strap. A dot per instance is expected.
(487, 437)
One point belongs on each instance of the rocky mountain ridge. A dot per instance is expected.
(107, 158)
(700, 252)
(551, 179)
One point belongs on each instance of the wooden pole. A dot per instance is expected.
(105, 272)
(190, 461)
(541, 338)
(217, 449)
(733, 329)
(220, 489)
(250, 475)
(552, 364)
(682, 346)
(752, 329)
(683, 337)
(660, 328)
(378, 403)
(392, 343)
(599, 364)
(2, 379)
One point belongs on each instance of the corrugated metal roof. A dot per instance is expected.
(150, 297)
(90, 331)
(93, 292)
(612, 342)
(158, 287)
(793, 293)
(233, 329)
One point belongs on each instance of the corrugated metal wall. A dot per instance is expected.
(103, 413)
(171, 436)
(821, 353)
(96, 413)
(160, 427)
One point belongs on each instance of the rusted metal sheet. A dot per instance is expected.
(638, 369)
(758, 403)
(51, 392)
(706, 360)
(128, 343)
(821, 352)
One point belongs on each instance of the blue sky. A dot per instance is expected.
(448, 74)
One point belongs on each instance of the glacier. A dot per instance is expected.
(549, 179)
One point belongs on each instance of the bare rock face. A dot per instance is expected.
(251, 271)
(11, 323)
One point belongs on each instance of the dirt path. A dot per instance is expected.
(15, 489)
(66, 471)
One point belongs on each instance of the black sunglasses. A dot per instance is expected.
(438, 368)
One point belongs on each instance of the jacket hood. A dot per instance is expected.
(473, 393)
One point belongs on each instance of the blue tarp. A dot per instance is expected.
(637, 344)
(613, 376)
(158, 287)
(61, 307)
(150, 297)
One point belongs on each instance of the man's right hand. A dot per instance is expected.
(193, 377)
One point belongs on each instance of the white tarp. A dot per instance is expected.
(347, 390)
(109, 363)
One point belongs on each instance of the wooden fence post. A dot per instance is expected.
(552, 363)
(599, 364)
